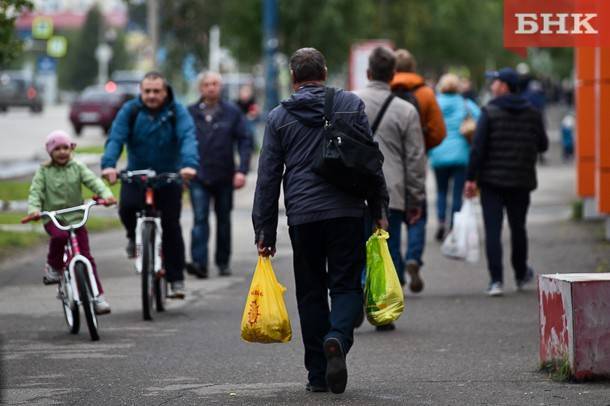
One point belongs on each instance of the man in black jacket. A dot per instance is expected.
(221, 128)
(510, 134)
(325, 223)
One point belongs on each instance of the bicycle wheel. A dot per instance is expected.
(69, 305)
(160, 291)
(86, 298)
(148, 273)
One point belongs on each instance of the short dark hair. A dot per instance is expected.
(308, 64)
(153, 75)
(382, 64)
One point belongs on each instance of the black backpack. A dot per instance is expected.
(348, 157)
(408, 95)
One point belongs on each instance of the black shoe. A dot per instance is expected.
(224, 270)
(386, 327)
(336, 370)
(440, 233)
(195, 269)
(131, 248)
(316, 388)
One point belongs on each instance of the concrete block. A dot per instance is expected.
(589, 209)
(608, 228)
(575, 322)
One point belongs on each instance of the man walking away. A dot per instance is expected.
(221, 129)
(325, 223)
(510, 134)
(400, 140)
(410, 86)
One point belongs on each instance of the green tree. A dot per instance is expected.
(10, 46)
(78, 69)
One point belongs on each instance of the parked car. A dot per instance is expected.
(98, 105)
(16, 90)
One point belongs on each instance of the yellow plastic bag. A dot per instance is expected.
(383, 297)
(265, 318)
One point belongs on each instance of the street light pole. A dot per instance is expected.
(270, 46)
(152, 25)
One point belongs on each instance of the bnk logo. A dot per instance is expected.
(556, 23)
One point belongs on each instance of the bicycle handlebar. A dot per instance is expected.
(149, 176)
(86, 208)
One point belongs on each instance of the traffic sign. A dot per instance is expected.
(42, 27)
(57, 46)
(46, 64)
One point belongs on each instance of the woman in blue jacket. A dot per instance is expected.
(450, 159)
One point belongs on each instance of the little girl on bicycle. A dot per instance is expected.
(57, 185)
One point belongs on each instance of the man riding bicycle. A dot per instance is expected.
(160, 135)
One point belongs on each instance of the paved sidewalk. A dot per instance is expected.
(452, 346)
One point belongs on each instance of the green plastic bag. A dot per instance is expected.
(383, 297)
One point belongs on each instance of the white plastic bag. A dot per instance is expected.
(462, 242)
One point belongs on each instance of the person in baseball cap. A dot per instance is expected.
(506, 75)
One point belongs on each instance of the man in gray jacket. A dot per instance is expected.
(325, 224)
(400, 139)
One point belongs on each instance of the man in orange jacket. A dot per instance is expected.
(411, 86)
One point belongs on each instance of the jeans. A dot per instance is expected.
(516, 202)
(168, 200)
(328, 257)
(223, 204)
(57, 243)
(417, 237)
(443, 176)
(396, 219)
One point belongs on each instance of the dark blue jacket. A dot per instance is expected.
(157, 142)
(292, 138)
(217, 141)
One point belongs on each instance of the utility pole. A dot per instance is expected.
(270, 46)
(152, 25)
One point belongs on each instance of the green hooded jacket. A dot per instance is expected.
(57, 187)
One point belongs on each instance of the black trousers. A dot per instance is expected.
(168, 200)
(329, 257)
(516, 202)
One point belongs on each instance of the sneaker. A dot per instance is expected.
(101, 305)
(529, 276)
(440, 233)
(416, 284)
(51, 275)
(193, 268)
(224, 270)
(131, 248)
(495, 289)
(177, 290)
(336, 370)
(310, 387)
(386, 327)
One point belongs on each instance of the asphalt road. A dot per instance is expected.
(23, 133)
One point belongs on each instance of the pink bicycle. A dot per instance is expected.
(77, 285)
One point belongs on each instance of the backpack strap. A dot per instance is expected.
(381, 113)
(329, 98)
(133, 115)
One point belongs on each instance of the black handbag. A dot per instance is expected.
(348, 157)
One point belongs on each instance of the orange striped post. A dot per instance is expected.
(586, 128)
(603, 137)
